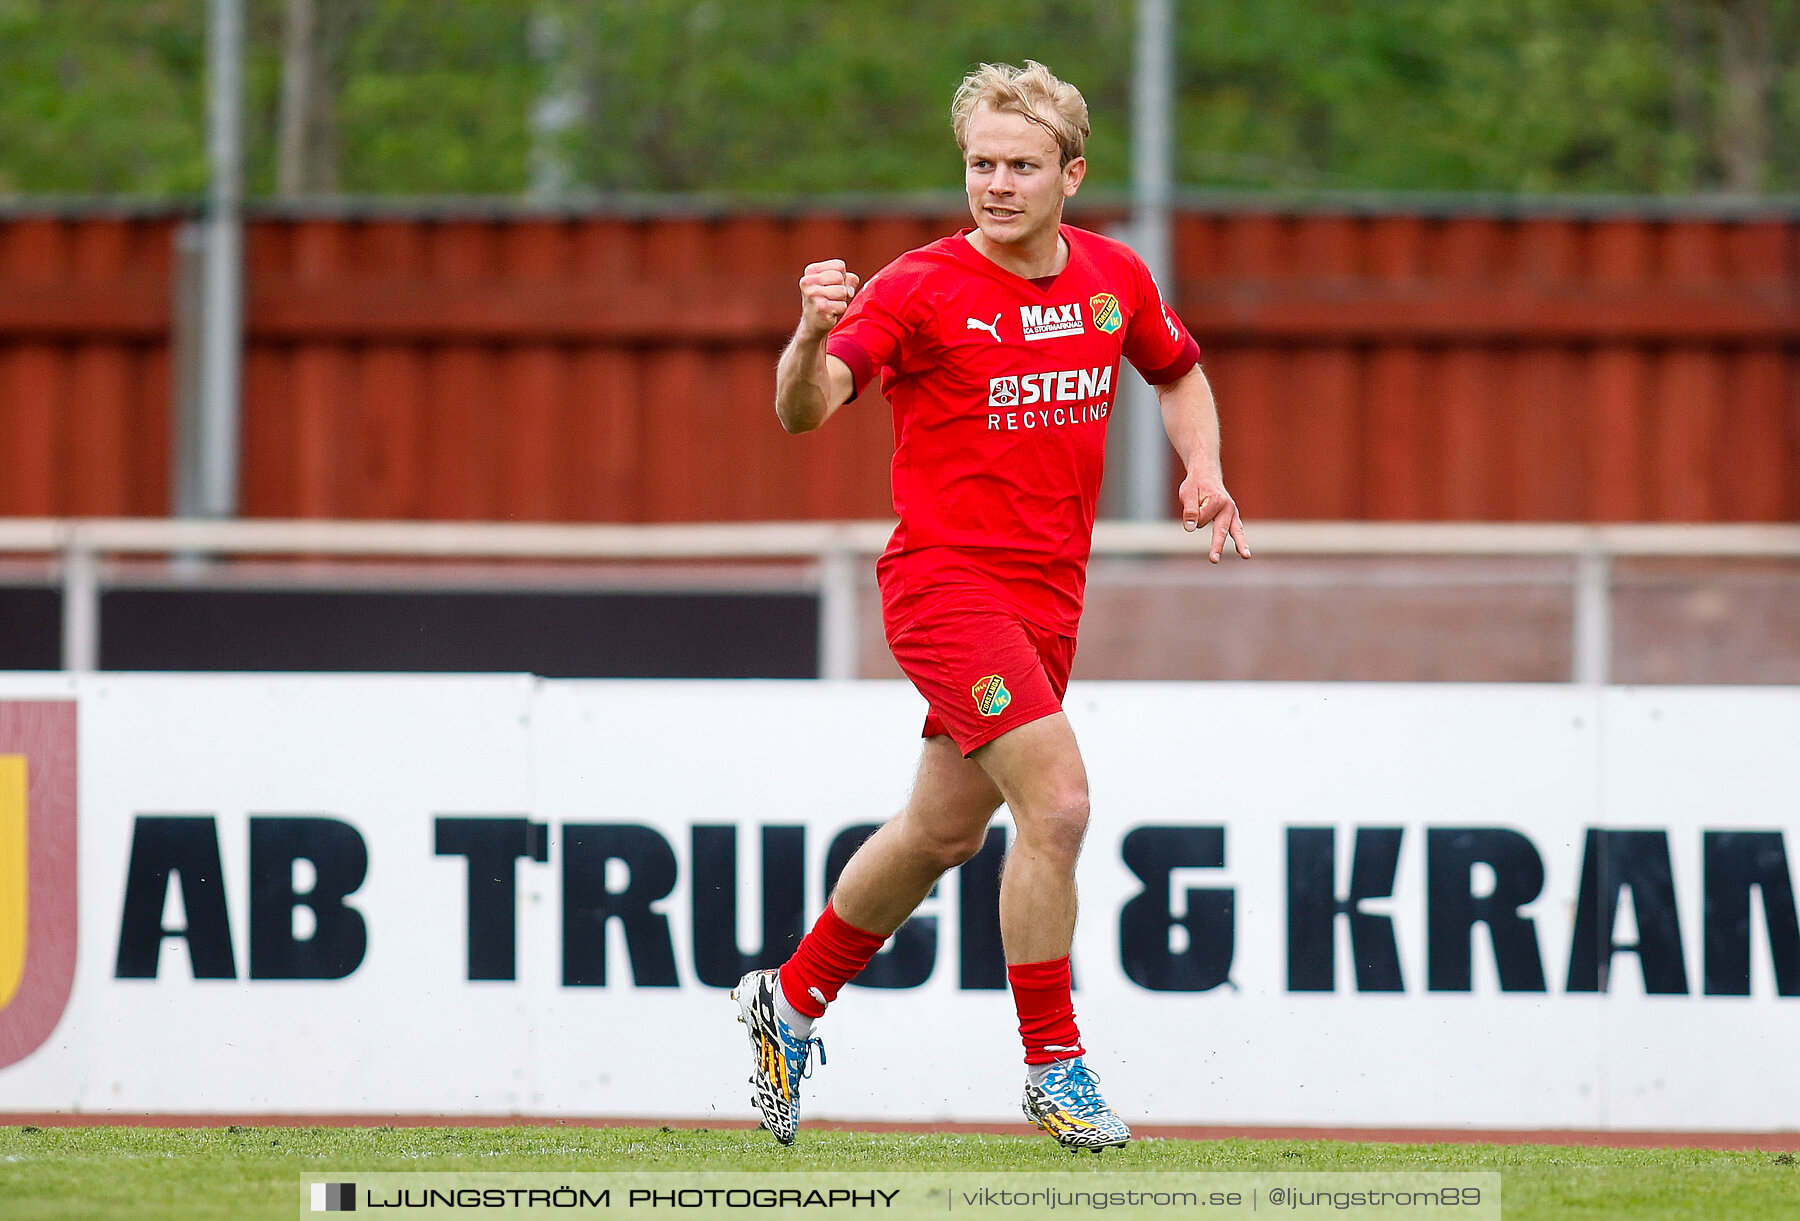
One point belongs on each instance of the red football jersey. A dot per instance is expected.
(1001, 389)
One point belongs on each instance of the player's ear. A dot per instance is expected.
(1073, 173)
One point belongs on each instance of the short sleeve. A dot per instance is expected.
(869, 335)
(1156, 342)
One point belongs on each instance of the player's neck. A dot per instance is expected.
(1045, 256)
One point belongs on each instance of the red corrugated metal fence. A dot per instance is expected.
(84, 366)
(620, 368)
(1400, 367)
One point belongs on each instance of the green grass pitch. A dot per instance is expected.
(237, 1173)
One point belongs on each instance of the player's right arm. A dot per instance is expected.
(810, 383)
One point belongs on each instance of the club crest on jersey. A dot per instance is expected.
(1047, 321)
(991, 695)
(1003, 391)
(1106, 312)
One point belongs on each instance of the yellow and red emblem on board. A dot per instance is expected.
(14, 877)
(37, 871)
(991, 695)
(1104, 309)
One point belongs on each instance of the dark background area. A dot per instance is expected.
(555, 634)
(30, 628)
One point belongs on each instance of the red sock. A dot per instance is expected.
(1046, 1010)
(825, 960)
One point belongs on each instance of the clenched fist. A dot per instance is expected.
(825, 293)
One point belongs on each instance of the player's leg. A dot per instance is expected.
(1038, 769)
(943, 824)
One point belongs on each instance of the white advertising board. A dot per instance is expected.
(1301, 904)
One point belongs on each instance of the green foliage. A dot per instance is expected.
(100, 96)
(436, 97)
(439, 96)
(1494, 95)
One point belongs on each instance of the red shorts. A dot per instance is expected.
(981, 668)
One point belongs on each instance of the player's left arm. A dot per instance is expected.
(1191, 418)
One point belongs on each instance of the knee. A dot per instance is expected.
(1060, 825)
(947, 851)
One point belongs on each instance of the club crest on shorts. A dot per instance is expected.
(991, 695)
(1105, 309)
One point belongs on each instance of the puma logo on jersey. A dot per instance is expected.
(992, 328)
(1045, 321)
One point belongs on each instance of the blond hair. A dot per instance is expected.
(1032, 91)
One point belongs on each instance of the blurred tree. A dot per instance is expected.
(561, 108)
(436, 96)
(98, 97)
(787, 95)
(314, 38)
(1515, 95)
(560, 98)
(1746, 76)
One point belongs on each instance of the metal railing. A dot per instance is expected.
(835, 549)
